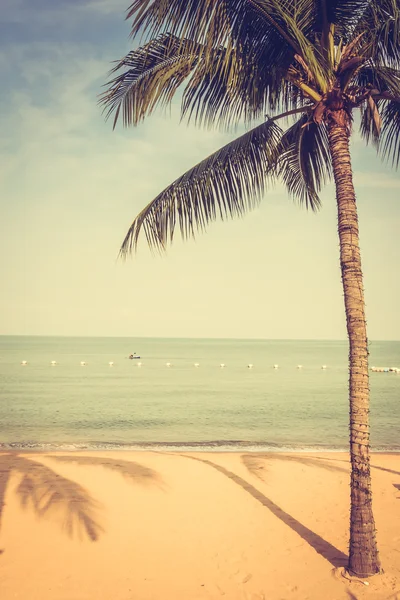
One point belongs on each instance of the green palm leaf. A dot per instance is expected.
(390, 132)
(379, 118)
(371, 122)
(380, 26)
(304, 161)
(219, 89)
(380, 78)
(344, 14)
(226, 184)
(154, 74)
(271, 26)
(223, 93)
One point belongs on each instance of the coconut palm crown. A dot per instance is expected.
(311, 63)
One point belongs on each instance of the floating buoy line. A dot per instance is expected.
(250, 366)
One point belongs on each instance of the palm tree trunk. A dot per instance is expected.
(363, 552)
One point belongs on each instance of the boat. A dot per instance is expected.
(133, 356)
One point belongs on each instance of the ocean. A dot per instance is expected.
(164, 401)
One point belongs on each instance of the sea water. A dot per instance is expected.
(163, 400)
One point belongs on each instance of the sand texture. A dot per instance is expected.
(175, 526)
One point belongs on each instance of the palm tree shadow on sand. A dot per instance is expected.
(332, 554)
(130, 470)
(49, 494)
(329, 460)
(256, 464)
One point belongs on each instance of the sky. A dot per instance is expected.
(70, 186)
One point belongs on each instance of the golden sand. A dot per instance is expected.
(196, 526)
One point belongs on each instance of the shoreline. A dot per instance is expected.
(176, 447)
(153, 525)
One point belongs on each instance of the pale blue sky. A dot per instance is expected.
(70, 186)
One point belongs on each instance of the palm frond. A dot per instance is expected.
(379, 78)
(226, 184)
(236, 54)
(345, 15)
(390, 132)
(154, 74)
(296, 17)
(272, 27)
(228, 91)
(380, 24)
(371, 122)
(384, 84)
(304, 163)
(212, 21)
(224, 84)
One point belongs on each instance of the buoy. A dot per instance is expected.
(196, 365)
(299, 366)
(323, 367)
(111, 364)
(83, 364)
(24, 362)
(222, 365)
(53, 363)
(276, 366)
(167, 364)
(139, 364)
(250, 366)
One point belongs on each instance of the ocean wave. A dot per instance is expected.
(197, 446)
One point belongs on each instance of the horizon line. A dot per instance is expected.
(259, 339)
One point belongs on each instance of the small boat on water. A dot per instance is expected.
(133, 356)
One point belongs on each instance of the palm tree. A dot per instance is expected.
(312, 61)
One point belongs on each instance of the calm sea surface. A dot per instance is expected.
(96, 405)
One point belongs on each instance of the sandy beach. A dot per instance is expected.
(164, 526)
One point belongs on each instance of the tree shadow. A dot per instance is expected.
(49, 494)
(322, 458)
(332, 554)
(385, 469)
(255, 463)
(130, 470)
